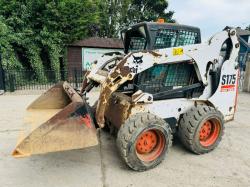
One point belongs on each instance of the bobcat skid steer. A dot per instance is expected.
(165, 83)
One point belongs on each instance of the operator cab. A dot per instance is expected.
(153, 35)
(162, 77)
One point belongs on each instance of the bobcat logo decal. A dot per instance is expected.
(137, 59)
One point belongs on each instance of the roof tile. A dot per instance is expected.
(112, 43)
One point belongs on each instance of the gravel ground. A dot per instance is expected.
(228, 165)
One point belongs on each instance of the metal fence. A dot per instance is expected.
(11, 80)
(33, 80)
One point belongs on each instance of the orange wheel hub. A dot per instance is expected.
(209, 132)
(150, 144)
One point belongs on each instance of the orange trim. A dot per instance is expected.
(237, 91)
(227, 86)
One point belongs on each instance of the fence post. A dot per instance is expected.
(2, 80)
(12, 82)
(62, 75)
(75, 77)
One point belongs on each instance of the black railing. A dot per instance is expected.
(33, 80)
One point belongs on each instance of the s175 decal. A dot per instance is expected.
(228, 83)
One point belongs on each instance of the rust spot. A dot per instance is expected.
(84, 82)
(125, 71)
(105, 94)
(121, 64)
(100, 110)
(114, 74)
(118, 103)
(155, 53)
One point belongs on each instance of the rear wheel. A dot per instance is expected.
(143, 141)
(201, 129)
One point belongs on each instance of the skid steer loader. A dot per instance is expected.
(166, 82)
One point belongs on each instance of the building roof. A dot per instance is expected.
(242, 32)
(97, 42)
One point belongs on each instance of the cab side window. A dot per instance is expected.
(164, 77)
(166, 38)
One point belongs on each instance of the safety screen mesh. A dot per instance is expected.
(186, 38)
(165, 38)
(165, 77)
(137, 44)
(170, 38)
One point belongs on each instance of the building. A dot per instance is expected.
(244, 54)
(81, 54)
(244, 58)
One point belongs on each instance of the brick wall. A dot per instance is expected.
(74, 58)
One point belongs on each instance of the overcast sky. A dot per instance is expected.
(211, 16)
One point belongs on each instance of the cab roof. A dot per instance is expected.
(157, 26)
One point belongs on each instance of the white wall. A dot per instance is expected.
(89, 55)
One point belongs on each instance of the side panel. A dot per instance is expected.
(224, 99)
(166, 108)
(119, 108)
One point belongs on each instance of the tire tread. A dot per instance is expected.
(189, 122)
(129, 127)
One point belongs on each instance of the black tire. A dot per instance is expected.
(131, 132)
(191, 125)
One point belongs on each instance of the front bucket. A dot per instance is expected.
(58, 120)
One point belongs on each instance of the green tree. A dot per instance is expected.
(112, 14)
(6, 36)
(147, 10)
(117, 14)
(36, 32)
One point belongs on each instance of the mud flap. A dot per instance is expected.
(58, 120)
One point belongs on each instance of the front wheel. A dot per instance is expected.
(143, 141)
